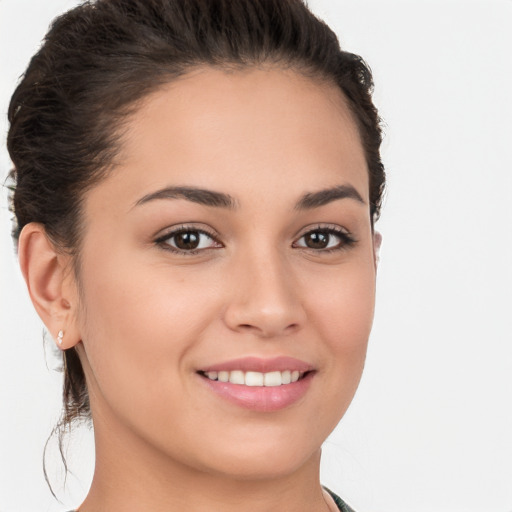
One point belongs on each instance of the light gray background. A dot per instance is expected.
(431, 425)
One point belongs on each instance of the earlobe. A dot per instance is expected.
(377, 241)
(47, 275)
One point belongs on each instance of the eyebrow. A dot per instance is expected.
(322, 197)
(211, 198)
(196, 195)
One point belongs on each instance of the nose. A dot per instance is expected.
(265, 299)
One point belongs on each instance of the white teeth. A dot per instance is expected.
(269, 379)
(272, 379)
(223, 376)
(236, 377)
(254, 379)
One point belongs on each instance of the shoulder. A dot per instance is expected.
(339, 502)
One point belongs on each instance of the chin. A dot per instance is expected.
(274, 463)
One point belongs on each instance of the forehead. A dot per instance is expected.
(241, 131)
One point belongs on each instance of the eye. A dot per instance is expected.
(325, 239)
(188, 240)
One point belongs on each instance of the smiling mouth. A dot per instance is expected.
(254, 379)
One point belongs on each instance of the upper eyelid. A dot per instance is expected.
(322, 227)
(174, 230)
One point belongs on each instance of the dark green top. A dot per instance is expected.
(339, 502)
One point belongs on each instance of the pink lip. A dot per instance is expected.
(261, 398)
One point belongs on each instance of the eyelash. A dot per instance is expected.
(346, 240)
(162, 241)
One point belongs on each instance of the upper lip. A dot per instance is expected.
(258, 364)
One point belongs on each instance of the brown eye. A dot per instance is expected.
(188, 240)
(325, 239)
(317, 240)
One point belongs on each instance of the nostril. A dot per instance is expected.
(263, 317)
(291, 328)
(269, 331)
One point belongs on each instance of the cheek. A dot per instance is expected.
(344, 306)
(341, 307)
(132, 299)
(139, 321)
(343, 315)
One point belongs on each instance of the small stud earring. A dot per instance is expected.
(60, 337)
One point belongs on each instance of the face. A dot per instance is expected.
(227, 274)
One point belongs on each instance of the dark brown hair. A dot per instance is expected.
(101, 58)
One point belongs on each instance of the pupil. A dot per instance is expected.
(317, 240)
(187, 240)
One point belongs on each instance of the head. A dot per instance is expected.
(130, 107)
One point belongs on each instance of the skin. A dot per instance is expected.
(146, 319)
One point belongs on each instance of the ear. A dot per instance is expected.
(377, 241)
(51, 284)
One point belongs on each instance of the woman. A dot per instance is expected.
(196, 186)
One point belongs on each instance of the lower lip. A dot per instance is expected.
(261, 398)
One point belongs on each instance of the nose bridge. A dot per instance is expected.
(265, 296)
